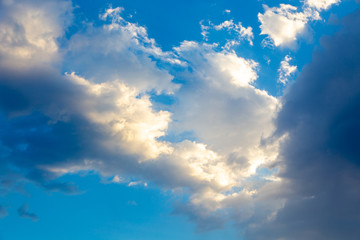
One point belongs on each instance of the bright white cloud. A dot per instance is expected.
(240, 72)
(224, 69)
(286, 70)
(321, 4)
(284, 24)
(129, 120)
(222, 108)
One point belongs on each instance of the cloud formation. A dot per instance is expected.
(23, 212)
(239, 32)
(320, 158)
(23, 42)
(283, 25)
(321, 4)
(98, 114)
(95, 112)
(286, 70)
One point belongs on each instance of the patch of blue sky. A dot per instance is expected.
(100, 211)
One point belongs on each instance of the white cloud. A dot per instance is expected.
(205, 30)
(29, 35)
(124, 50)
(284, 24)
(221, 68)
(239, 72)
(241, 33)
(286, 70)
(321, 4)
(222, 108)
(117, 179)
(227, 114)
(105, 96)
(128, 119)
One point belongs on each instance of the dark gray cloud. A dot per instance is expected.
(320, 160)
(23, 212)
(32, 134)
(205, 221)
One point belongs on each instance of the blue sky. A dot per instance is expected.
(205, 120)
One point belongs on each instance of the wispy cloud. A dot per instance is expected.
(3, 212)
(286, 70)
(23, 212)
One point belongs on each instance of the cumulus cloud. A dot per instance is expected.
(124, 49)
(224, 111)
(284, 24)
(227, 78)
(23, 212)
(30, 31)
(126, 116)
(286, 70)
(98, 115)
(320, 159)
(321, 4)
(50, 118)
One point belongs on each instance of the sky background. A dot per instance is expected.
(205, 120)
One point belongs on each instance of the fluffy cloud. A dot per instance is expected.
(51, 119)
(284, 24)
(321, 4)
(99, 116)
(320, 159)
(124, 50)
(30, 31)
(226, 79)
(130, 120)
(286, 70)
(221, 108)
